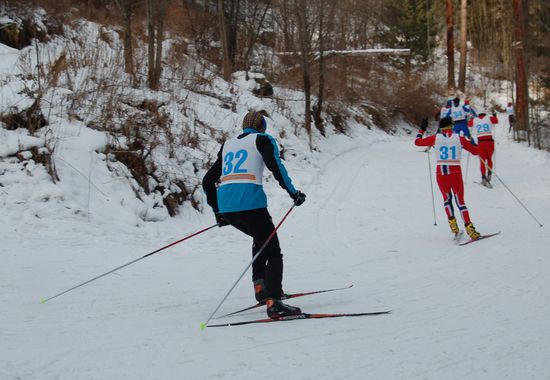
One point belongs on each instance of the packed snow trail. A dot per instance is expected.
(476, 312)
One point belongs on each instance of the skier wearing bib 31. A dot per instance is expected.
(482, 126)
(240, 200)
(448, 148)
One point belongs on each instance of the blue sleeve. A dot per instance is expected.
(469, 109)
(267, 146)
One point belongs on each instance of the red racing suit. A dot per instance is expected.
(448, 149)
(482, 127)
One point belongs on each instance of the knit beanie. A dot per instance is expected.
(254, 120)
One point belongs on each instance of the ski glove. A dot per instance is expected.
(424, 124)
(221, 220)
(298, 198)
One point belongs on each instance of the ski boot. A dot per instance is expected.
(276, 309)
(489, 184)
(484, 180)
(259, 290)
(453, 225)
(471, 230)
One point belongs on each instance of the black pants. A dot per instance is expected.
(269, 265)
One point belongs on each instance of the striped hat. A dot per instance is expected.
(254, 120)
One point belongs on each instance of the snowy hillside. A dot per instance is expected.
(476, 312)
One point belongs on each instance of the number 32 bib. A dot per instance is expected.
(242, 163)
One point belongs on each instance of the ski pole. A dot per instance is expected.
(131, 262)
(467, 166)
(431, 186)
(205, 324)
(514, 195)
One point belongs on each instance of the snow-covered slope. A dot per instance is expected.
(475, 312)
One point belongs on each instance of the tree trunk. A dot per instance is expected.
(150, 43)
(161, 4)
(318, 109)
(224, 40)
(451, 85)
(303, 33)
(463, 45)
(522, 91)
(126, 8)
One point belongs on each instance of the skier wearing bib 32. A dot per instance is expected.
(448, 148)
(240, 200)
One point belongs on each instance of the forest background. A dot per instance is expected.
(371, 62)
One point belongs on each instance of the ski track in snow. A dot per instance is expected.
(473, 312)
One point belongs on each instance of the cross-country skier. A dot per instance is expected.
(443, 110)
(459, 112)
(482, 127)
(240, 200)
(511, 116)
(448, 148)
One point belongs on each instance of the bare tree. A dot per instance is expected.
(226, 61)
(324, 29)
(127, 9)
(519, 44)
(228, 12)
(450, 47)
(463, 45)
(300, 7)
(254, 31)
(155, 33)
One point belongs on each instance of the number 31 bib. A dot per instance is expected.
(448, 149)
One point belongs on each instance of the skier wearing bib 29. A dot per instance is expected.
(448, 148)
(240, 200)
(482, 126)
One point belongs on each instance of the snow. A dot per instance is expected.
(477, 311)
(12, 142)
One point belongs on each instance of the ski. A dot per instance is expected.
(480, 238)
(286, 297)
(488, 185)
(299, 316)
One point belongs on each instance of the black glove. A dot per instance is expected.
(221, 220)
(424, 124)
(298, 198)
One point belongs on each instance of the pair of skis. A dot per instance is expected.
(458, 235)
(478, 239)
(297, 316)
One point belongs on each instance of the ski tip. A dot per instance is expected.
(42, 301)
(203, 326)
